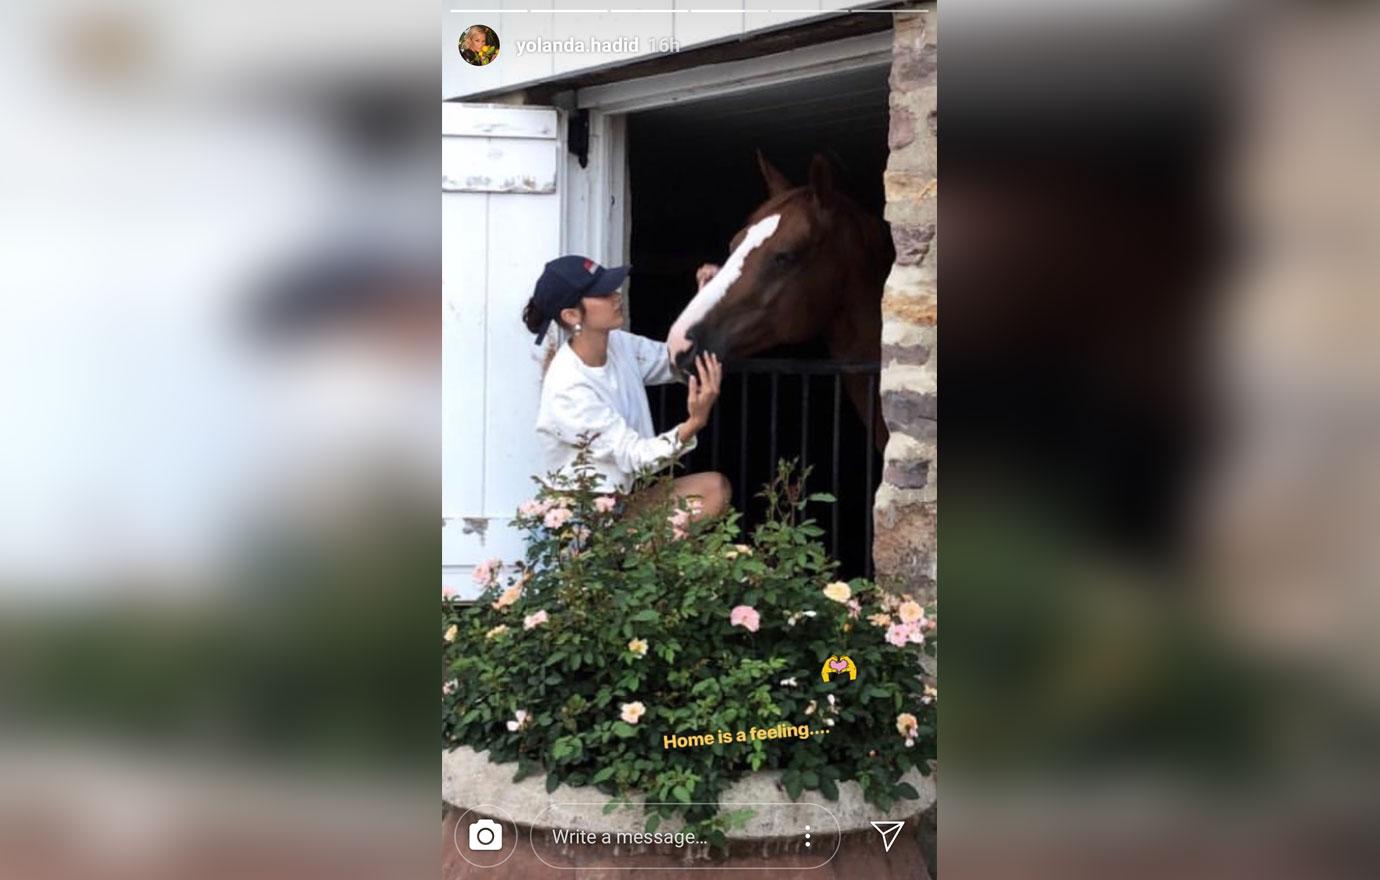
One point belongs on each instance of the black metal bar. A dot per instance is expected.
(805, 370)
(867, 539)
(834, 528)
(775, 417)
(742, 446)
(714, 438)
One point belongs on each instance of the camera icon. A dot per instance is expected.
(486, 834)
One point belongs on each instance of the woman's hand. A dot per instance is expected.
(704, 274)
(704, 389)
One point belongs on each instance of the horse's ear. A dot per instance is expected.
(822, 180)
(776, 181)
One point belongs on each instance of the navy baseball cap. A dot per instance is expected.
(567, 280)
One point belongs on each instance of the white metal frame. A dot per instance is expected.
(731, 77)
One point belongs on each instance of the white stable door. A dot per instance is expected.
(500, 223)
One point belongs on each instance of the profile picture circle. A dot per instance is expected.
(479, 45)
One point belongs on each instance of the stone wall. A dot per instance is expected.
(905, 509)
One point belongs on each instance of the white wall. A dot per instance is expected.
(689, 22)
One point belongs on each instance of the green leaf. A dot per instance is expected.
(829, 789)
(646, 615)
(793, 785)
(624, 729)
(821, 496)
(810, 779)
(567, 747)
(738, 818)
(603, 774)
(681, 793)
(612, 805)
(653, 822)
(905, 790)
(553, 781)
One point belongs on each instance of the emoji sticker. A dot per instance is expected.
(837, 666)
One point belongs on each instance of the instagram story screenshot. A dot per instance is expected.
(664, 359)
(689, 617)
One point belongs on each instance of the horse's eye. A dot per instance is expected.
(784, 258)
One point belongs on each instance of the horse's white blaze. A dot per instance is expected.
(714, 291)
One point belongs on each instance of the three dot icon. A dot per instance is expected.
(807, 836)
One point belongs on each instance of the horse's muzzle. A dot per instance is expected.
(700, 342)
(685, 362)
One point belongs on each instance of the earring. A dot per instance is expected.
(578, 328)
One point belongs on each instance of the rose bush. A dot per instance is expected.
(619, 629)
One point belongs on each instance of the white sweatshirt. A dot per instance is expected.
(609, 401)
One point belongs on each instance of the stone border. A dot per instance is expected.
(905, 508)
(469, 778)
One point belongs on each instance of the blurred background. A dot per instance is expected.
(1160, 385)
(220, 373)
(219, 368)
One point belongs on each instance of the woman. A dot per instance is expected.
(594, 385)
(476, 47)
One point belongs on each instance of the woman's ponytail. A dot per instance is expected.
(532, 317)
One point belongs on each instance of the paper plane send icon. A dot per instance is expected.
(888, 830)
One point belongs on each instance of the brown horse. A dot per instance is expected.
(809, 263)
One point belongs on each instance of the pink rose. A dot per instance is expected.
(901, 634)
(745, 616)
(533, 507)
(556, 518)
(484, 572)
(605, 503)
(532, 621)
(898, 634)
(679, 521)
(854, 608)
(448, 593)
